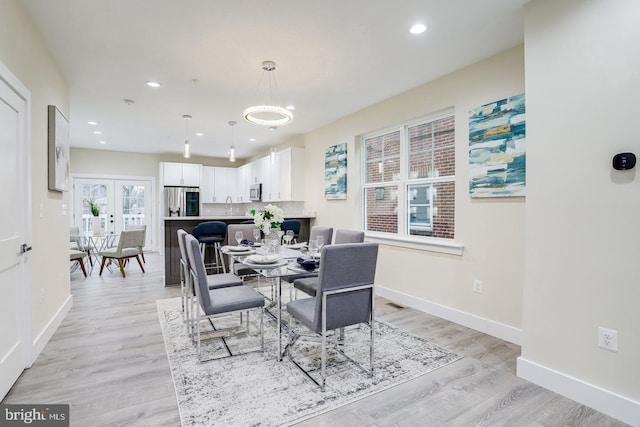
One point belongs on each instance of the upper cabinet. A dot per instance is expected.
(218, 183)
(243, 182)
(283, 176)
(181, 174)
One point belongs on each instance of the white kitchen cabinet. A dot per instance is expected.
(181, 174)
(283, 179)
(207, 193)
(217, 184)
(243, 181)
(255, 174)
(268, 191)
(232, 184)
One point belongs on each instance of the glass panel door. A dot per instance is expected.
(101, 191)
(133, 204)
(120, 202)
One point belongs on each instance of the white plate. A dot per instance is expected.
(263, 259)
(238, 248)
(297, 245)
(278, 263)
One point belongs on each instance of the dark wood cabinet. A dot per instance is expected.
(172, 249)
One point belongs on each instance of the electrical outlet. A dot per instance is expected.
(608, 339)
(477, 286)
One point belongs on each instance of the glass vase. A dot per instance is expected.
(272, 241)
(96, 225)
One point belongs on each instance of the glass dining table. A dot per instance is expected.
(93, 244)
(275, 268)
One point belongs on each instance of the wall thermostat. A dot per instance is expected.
(624, 161)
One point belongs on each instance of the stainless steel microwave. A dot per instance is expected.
(255, 192)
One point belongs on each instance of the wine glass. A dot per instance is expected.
(320, 240)
(313, 248)
(239, 237)
(256, 234)
(288, 236)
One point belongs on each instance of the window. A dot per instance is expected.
(409, 182)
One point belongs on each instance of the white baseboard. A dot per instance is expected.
(45, 335)
(605, 401)
(489, 327)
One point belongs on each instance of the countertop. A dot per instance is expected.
(223, 217)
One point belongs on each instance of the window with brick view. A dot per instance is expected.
(409, 182)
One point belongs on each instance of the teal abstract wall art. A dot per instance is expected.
(497, 154)
(335, 172)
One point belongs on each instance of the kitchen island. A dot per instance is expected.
(173, 223)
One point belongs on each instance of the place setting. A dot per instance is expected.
(244, 246)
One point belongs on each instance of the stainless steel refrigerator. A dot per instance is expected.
(181, 201)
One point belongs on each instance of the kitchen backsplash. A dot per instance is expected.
(289, 208)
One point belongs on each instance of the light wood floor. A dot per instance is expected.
(107, 360)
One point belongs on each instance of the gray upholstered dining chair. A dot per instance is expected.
(309, 284)
(78, 257)
(348, 236)
(320, 230)
(247, 233)
(186, 285)
(143, 238)
(78, 243)
(316, 230)
(220, 301)
(345, 297)
(127, 248)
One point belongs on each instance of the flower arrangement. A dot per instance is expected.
(269, 217)
(93, 207)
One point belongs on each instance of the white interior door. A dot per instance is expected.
(14, 306)
(121, 202)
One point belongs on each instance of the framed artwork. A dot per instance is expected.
(335, 172)
(497, 154)
(58, 136)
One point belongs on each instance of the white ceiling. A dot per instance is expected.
(333, 57)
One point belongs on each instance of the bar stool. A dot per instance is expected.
(292, 224)
(211, 233)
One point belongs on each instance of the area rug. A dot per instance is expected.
(254, 389)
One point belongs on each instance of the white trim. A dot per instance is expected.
(431, 244)
(45, 335)
(605, 401)
(481, 324)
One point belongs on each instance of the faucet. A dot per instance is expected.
(228, 206)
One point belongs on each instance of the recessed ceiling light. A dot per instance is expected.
(199, 134)
(102, 142)
(93, 123)
(418, 29)
(252, 139)
(290, 107)
(153, 84)
(97, 132)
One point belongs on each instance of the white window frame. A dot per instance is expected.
(402, 238)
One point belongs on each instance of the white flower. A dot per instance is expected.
(269, 217)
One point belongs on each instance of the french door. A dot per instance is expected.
(120, 201)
